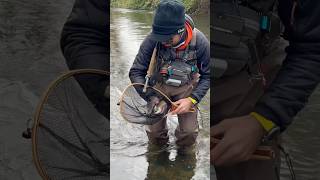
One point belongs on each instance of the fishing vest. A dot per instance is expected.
(242, 34)
(177, 67)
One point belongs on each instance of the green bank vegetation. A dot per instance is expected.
(192, 6)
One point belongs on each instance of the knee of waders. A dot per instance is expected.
(186, 138)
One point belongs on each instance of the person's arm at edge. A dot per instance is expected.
(299, 75)
(84, 39)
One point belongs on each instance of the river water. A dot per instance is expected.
(30, 57)
(130, 156)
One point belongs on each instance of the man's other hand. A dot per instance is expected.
(182, 106)
(240, 138)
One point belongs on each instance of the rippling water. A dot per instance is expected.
(30, 58)
(130, 156)
(302, 141)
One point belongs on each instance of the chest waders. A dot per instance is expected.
(243, 34)
(177, 67)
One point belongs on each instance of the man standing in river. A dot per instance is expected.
(184, 49)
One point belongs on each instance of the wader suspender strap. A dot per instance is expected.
(194, 38)
(259, 74)
(177, 66)
(192, 44)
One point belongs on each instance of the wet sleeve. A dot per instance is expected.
(84, 39)
(203, 63)
(85, 44)
(300, 72)
(141, 62)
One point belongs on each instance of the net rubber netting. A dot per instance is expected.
(71, 135)
(141, 107)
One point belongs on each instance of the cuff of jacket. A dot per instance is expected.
(195, 98)
(268, 114)
(265, 123)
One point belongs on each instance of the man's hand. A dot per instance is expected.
(240, 138)
(183, 106)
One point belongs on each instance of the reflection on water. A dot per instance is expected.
(131, 156)
(176, 164)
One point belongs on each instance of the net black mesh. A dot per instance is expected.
(141, 107)
(73, 133)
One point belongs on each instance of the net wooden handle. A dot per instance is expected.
(261, 153)
(152, 62)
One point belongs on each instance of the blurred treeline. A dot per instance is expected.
(192, 6)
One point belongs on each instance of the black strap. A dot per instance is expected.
(288, 161)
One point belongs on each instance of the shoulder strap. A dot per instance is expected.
(194, 39)
(192, 45)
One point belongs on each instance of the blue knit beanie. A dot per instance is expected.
(169, 19)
